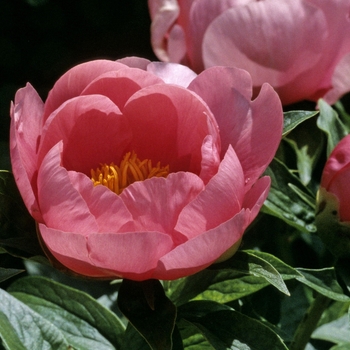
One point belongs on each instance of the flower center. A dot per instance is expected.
(131, 169)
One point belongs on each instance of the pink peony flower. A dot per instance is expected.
(336, 177)
(143, 170)
(300, 47)
(333, 206)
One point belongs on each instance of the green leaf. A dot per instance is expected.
(21, 328)
(323, 281)
(307, 143)
(287, 272)
(147, 308)
(133, 339)
(336, 332)
(76, 318)
(283, 201)
(192, 339)
(293, 118)
(329, 122)
(250, 263)
(245, 273)
(225, 328)
(17, 228)
(8, 273)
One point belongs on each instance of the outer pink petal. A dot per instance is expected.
(107, 207)
(73, 82)
(202, 13)
(155, 204)
(255, 197)
(163, 14)
(62, 207)
(25, 131)
(340, 187)
(338, 159)
(246, 37)
(202, 250)
(340, 81)
(130, 255)
(120, 85)
(92, 129)
(172, 73)
(169, 124)
(219, 202)
(70, 249)
(254, 129)
(135, 62)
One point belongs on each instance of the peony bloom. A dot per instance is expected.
(300, 47)
(143, 170)
(333, 205)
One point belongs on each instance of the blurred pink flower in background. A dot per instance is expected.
(143, 170)
(300, 47)
(336, 177)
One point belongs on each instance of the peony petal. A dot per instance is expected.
(340, 81)
(73, 82)
(201, 14)
(70, 249)
(172, 73)
(164, 14)
(339, 186)
(25, 131)
(93, 131)
(176, 43)
(219, 202)
(129, 255)
(249, 40)
(255, 197)
(155, 204)
(243, 123)
(338, 159)
(107, 207)
(201, 251)
(169, 124)
(120, 85)
(62, 207)
(135, 62)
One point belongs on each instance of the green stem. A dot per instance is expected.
(309, 322)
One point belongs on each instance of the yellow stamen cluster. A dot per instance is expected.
(131, 169)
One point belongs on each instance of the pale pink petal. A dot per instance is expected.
(228, 92)
(120, 85)
(135, 62)
(338, 159)
(107, 207)
(176, 43)
(339, 186)
(255, 197)
(93, 131)
(202, 250)
(73, 82)
(201, 14)
(156, 203)
(251, 37)
(70, 249)
(210, 159)
(243, 124)
(129, 255)
(169, 124)
(340, 81)
(25, 131)
(172, 73)
(62, 207)
(164, 14)
(219, 202)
